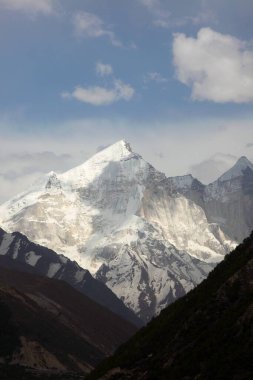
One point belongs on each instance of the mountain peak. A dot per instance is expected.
(118, 151)
(237, 170)
(94, 167)
(125, 144)
(243, 161)
(121, 147)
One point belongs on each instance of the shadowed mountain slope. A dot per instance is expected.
(205, 335)
(18, 252)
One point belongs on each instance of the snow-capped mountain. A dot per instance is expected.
(124, 221)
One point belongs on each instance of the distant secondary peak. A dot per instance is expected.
(243, 161)
(237, 170)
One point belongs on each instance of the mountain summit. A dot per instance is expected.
(120, 218)
(94, 167)
(237, 170)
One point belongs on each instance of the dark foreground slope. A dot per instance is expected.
(46, 325)
(206, 335)
(19, 253)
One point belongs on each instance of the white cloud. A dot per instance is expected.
(155, 77)
(103, 69)
(217, 67)
(101, 96)
(29, 6)
(90, 25)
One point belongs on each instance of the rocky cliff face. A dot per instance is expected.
(122, 220)
(229, 200)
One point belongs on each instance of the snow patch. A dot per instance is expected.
(79, 275)
(6, 242)
(53, 269)
(31, 258)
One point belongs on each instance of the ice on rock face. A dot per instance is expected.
(116, 216)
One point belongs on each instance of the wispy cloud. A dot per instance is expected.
(162, 17)
(90, 25)
(30, 6)
(156, 77)
(101, 96)
(217, 67)
(103, 69)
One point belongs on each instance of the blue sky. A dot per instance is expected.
(175, 78)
